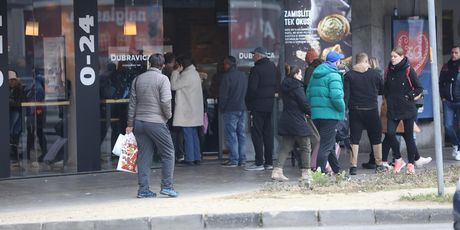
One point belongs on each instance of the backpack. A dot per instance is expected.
(418, 99)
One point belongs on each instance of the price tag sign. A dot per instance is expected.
(4, 92)
(87, 85)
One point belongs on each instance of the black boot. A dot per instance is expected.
(371, 163)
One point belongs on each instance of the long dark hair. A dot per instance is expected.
(293, 70)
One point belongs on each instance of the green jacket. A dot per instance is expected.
(325, 93)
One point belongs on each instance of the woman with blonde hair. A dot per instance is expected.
(374, 63)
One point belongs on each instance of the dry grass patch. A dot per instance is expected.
(343, 183)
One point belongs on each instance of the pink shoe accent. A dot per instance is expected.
(399, 164)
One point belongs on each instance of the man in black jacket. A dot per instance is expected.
(259, 99)
(231, 102)
(449, 89)
(362, 87)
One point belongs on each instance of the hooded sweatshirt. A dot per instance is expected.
(362, 86)
(325, 93)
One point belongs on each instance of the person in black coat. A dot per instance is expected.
(400, 91)
(260, 98)
(449, 90)
(292, 125)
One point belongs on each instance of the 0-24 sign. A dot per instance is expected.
(86, 45)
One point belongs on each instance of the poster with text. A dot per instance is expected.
(323, 25)
(54, 72)
(411, 34)
(253, 24)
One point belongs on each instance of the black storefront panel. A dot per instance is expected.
(87, 99)
(4, 92)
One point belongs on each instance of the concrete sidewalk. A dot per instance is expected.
(209, 198)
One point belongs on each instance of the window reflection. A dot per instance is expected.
(39, 117)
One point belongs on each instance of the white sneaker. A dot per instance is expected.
(422, 161)
(386, 165)
(457, 158)
(454, 151)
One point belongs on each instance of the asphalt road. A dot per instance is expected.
(444, 226)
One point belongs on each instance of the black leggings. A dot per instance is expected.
(408, 135)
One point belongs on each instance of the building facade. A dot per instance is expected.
(76, 61)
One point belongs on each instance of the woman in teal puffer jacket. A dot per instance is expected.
(326, 97)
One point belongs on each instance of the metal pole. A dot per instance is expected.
(436, 98)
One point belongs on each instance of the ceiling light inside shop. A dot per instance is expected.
(32, 28)
(130, 28)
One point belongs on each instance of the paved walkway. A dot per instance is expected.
(210, 197)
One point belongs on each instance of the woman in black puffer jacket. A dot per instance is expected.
(292, 125)
(401, 89)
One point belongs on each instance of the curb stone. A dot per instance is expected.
(255, 220)
(402, 216)
(290, 218)
(441, 215)
(34, 226)
(177, 222)
(346, 217)
(71, 225)
(234, 220)
(123, 224)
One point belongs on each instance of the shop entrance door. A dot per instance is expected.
(200, 29)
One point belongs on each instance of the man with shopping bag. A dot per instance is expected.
(149, 110)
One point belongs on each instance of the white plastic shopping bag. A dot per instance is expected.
(119, 144)
(128, 157)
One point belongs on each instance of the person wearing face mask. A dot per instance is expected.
(401, 89)
(292, 125)
(326, 97)
(449, 89)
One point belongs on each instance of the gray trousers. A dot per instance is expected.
(303, 147)
(149, 135)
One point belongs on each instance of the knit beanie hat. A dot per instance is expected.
(311, 55)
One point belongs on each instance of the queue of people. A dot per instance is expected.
(173, 92)
(325, 98)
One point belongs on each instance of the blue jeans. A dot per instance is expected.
(235, 136)
(15, 123)
(451, 110)
(192, 144)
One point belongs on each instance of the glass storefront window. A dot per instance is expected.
(41, 50)
(38, 55)
(129, 32)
